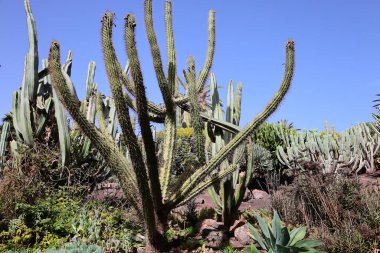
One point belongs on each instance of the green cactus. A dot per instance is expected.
(146, 189)
(228, 196)
(3, 143)
(352, 150)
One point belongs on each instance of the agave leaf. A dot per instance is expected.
(297, 235)
(282, 249)
(285, 237)
(255, 235)
(276, 227)
(263, 226)
(308, 244)
(251, 249)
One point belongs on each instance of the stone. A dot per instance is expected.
(237, 223)
(242, 235)
(258, 194)
(234, 243)
(215, 239)
(206, 226)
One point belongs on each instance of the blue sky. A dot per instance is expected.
(337, 50)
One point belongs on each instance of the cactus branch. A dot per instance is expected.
(210, 51)
(156, 55)
(199, 175)
(109, 151)
(142, 111)
(31, 68)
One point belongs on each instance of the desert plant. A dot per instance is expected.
(352, 151)
(3, 143)
(279, 239)
(343, 214)
(228, 195)
(143, 185)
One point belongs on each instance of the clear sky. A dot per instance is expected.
(337, 50)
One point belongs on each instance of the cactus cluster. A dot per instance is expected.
(131, 157)
(353, 150)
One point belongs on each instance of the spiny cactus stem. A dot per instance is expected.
(136, 156)
(142, 111)
(156, 55)
(195, 109)
(109, 151)
(172, 66)
(152, 108)
(199, 175)
(210, 51)
(32, 56)
(99, 112)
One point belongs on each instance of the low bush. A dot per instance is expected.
(342, 214)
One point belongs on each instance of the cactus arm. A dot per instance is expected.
(63, 131)
(15, 152)
(42, 120)
(90, 79)
(156, 55)
(24, 112)
(210, 52)
(237, 104)
(246, 131)
(142, 111)
(135, 153)
(195, 109)
(67, 72)
(60, 116)
(166, 90)
(172, 66)
(206, 184)
(117, 161)
(99, 113)
(31, 69)
(156, 110)
(15, 113)
(3, 142)
(215, 200)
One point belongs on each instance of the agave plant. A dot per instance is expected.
(279, 239)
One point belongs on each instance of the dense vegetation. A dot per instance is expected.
(97, 185)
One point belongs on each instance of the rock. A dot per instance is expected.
(258, 194)
(208, 225)
(247, 195)
(234, 243)
(242, 235)
(237, 223)
(215, 239)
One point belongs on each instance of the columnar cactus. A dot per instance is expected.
(228, 196)
(3, 143)
(144, 182)
(352, 150)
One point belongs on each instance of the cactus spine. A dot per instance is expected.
(140, 179)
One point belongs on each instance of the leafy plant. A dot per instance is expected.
(279, 239)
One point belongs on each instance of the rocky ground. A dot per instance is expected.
(213, 233)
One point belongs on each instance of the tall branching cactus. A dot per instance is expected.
(144, 183)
